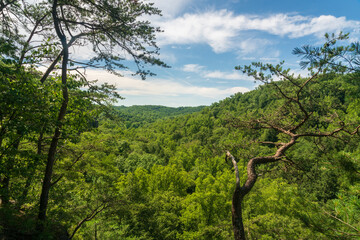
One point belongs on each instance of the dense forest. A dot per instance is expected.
(168, 179)
(136, 116)
(279, 162)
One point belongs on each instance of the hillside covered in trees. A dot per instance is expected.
(136, 116)
(169, 179)
(279, 162)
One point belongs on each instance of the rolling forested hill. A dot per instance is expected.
(169, 179)
(279, 162)
(177, 185)
(136, 116)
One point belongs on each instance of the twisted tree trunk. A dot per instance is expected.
(55, 139)
(241, 191)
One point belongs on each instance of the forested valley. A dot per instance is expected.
(169, 179)
(279, 162)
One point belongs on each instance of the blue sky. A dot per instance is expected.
(203, 40)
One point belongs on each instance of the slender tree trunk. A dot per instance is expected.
(95, 233)
(237, 221)
(236, 211)
(48, 173)
(241, 191)
(55, 139)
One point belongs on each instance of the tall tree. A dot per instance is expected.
(115, 31)
(297, 114)
(112, 28)
(65, 95)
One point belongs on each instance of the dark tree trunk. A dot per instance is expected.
(241, 191)
(48, 173)
(236, 211)
(55, 139)
(237, 221)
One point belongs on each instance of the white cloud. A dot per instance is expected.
(201, 70)
(225, 31)
(295, 26)
(195, 68)
(159, 87)
(235, 75)
(198, 28)
(251, 45)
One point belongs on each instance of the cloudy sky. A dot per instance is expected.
(203, 40)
